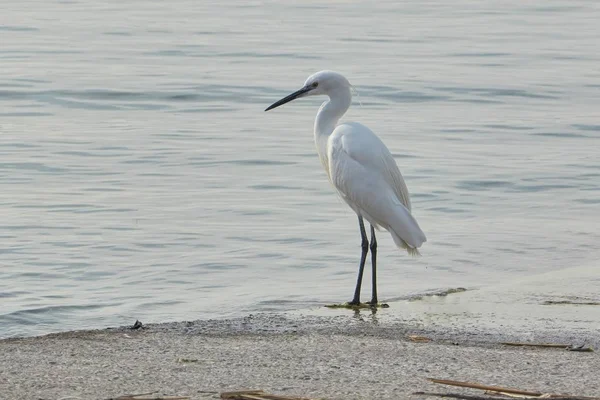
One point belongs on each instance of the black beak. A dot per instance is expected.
(289, 98)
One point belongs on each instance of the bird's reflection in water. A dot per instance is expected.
(366, 315)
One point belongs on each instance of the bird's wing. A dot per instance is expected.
(360, 143)
(365, 174)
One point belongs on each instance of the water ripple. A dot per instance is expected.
(142, 180)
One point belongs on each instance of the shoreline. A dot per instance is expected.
(348, 356)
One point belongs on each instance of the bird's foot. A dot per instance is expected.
(349, 305)
(376, 304)
(358, 306)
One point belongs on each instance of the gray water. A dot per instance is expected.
(141, 179)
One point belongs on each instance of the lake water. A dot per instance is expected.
(141, 179)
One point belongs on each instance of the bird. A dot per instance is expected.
(362, 170)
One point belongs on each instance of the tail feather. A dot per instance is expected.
(389, 213)
(413, 251)
(405, 230)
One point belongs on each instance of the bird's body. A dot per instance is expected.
(362, 170)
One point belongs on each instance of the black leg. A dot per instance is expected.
(374, 266)
(365, 248)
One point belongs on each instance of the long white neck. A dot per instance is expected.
(327, 118)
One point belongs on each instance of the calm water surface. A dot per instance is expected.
(140, 177)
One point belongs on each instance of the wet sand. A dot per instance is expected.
(336, 357)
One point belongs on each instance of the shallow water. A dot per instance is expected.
(141, 179)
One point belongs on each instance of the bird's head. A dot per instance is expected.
(321, 83)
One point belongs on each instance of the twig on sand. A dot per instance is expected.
(142, 396)
(552, 345)
(231, 395)
(505, 391)
(472, 385)
(569, 347)
(417, 338)
(475, 397)
(570, 302)
(454, 396)
(256, 395)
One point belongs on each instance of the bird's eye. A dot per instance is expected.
(315, 84)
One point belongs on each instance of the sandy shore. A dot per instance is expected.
(323, 357)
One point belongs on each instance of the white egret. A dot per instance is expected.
(362, 170)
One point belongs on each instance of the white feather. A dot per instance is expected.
(364, 172)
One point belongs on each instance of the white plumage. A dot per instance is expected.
(361, 168)
(365, 174)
